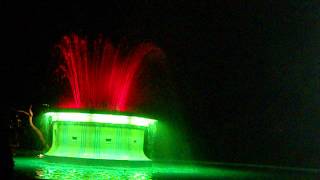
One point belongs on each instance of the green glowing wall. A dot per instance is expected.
(106, 138)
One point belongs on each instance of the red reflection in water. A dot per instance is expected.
(101, 76)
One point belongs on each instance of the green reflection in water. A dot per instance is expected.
(41, 169)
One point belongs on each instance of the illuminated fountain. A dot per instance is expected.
(99, 122)
(102, 79)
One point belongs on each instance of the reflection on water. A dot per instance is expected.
(57, 172)
(41, 169)
(38, 168)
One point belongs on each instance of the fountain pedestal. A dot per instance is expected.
(98, 136)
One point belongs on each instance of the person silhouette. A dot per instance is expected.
(38, 132)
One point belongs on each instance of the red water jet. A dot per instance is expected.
(100, 75)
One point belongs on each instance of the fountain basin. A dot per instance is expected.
(99, 135)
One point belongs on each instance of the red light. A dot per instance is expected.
(101, 78)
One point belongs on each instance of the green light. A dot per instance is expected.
(100, 118)
(98, 136)
(49, 170)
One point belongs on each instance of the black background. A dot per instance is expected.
(245, 74)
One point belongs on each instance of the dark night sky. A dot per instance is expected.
(246, 74)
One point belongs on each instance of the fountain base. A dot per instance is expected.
(98, 136)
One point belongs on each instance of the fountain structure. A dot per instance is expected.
(94, 122)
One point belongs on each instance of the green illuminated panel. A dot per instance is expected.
(98, 136)
(100, 118)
